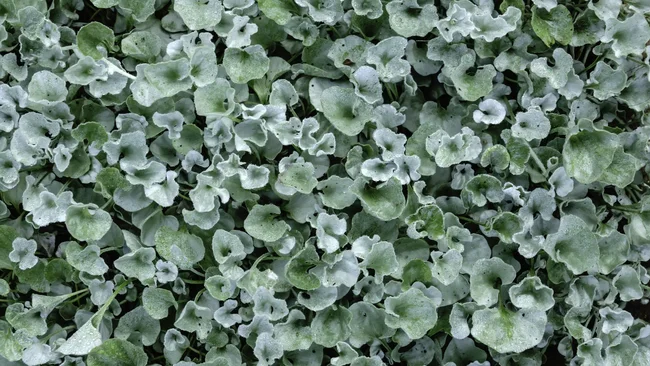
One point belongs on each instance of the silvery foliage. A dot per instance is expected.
(364, 182)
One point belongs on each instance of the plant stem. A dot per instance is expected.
(108, 249)
(64, 186)
(112, 68)
(197, 272)
(194, 282)
(107, 203)
(538, 161)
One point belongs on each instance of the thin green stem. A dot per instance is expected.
(198, 294)
(624, 209)
(195, 351)
(264, 257)
(197, 272)
(392, 91)
(637, 61)
(293, 112)
(95, 13)
(41, 179)
(467, 219)
(531, 270)
(100, 313)
(538, 161)
(510, 112)
(194, 282)
(593, 64)
(64, 186)
(110, 200)
(112, 68)
(81, 296)
(108, 249)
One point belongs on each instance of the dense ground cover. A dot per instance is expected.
(358, 182)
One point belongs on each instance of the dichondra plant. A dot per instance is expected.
(324, 182)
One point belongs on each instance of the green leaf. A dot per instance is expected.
(481, 189)
(605, 81)
(95, 40)
(117, 352)
(138, 325)
(331, 326)
(141, 45)
(574, 244)
(384, 201)
(486, 274)
(85, 259)
(426, 221)
(416, 270)
(335, 192)
(446, 267)
(91, 132)
(140, 10)
(85, 71)
(622, 170)
(470, 87)
(137, 264)
(169, 77)
(506, 331)
(280, 11)
(553, 25)
(87, 221)
(412, 312)
(628, 284)
(381, 258)
(530, 293)
(616, 320)
(4, 288)
(47, 88)
(330, 232)
(7, 235)
(104, 4)
(367, 324)
(23, 253)
(86, 339)
(219, 287)
(387, 56)
(191, 138)
(558, 74)
(450, 150)
(109, 180)
(294, 334)
(614, 250)
(227, 247)
(506, 225)
(267, 349)
(298, 267)
(299, 176)
(10, 347)
(261, 223)
(531, 125)
(199, 15)
(628, 36)
(345, 110)
(408, 18)
(181, 248)
(215, 99)
(587, 154)
(244, 65)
